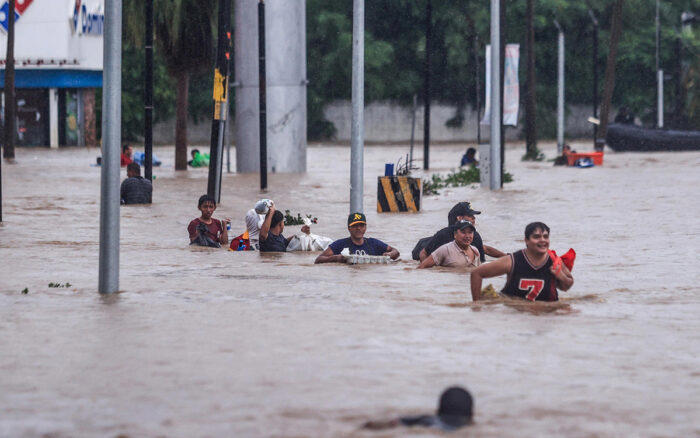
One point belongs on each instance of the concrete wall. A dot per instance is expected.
(388, 122)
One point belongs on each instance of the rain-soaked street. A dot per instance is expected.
(205, 342)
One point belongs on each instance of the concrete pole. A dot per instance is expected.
(495, 149)
(560, 91)
(111, 139)
(357, 133)
(285, 50)
(659, 75)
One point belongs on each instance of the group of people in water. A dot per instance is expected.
(534, 273)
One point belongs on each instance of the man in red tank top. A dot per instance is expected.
(532, 274)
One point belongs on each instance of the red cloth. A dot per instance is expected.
(568, 258)
(239, 241)
(214, 229)
(126, 160)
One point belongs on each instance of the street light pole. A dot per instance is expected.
(358, 103)
(560, 89)
(659, 75)
(495, 159)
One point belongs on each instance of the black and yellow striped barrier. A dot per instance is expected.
(398, 193)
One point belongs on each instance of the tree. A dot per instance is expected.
(185, 38)
(530, 90)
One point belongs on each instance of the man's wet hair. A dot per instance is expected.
(125, 146)
(534, 226)
(134, 167)
(460, 209)
(456, 407)
(194, 152)
(471, 152)
(205, 198)
(277, 217)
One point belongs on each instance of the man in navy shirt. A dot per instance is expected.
(357, 225)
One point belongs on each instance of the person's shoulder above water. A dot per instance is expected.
(337, 246)
(376, 246)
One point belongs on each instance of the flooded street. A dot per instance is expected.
(205, 342)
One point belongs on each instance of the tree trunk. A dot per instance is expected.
(10, 97)
(183, 83)
(609, 85)
(530, 104)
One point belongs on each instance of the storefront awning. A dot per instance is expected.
(25, 78)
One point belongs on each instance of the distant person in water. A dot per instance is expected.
(357, 242)
(455, 410)
(205, 230)
(469, 157)
(127, 155)
(563, 160)
(456, 254)
(532, 273)
(198, 159)
(135, 189)
(271, 237)
(624, 116)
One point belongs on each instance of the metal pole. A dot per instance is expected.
(262, 94)
(358, 106)
(560, 90)
(659, 75)
(221, 90)
(478, 88)
(10, 96)
(495, 171)
(502, 39)
(426, 86)
(413, 128)
(111, 139)
(148, 95)
(594, 65)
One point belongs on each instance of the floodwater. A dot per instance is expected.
(204, 342)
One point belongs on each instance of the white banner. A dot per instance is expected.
(511, 89)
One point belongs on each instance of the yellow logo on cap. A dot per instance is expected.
(357, 217)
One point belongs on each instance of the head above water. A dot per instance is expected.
(456, 407)
(471, 152)
(194, 152)
(127, 149)
(133, 170)
(206, 198)
(357, 225)
(461, 209)
(535, 226)
(277, 218)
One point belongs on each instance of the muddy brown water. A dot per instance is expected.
(204, 342)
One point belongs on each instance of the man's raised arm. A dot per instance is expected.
(488, 270)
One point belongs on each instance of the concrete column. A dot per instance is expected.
(53, 117)
(285, 50)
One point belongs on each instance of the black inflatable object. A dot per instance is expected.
(634, 138)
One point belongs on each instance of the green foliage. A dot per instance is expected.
(57, 284)
(459, 178)
(298, 220)
(534, 155)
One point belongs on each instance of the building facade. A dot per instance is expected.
(58, 69)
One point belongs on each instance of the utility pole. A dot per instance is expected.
(357, 133)
(530, 94)
(148, 94)
(426, 84)
(495, 158)
(221, 90)
(477, 75)
(560, 89)
(10, 97)
(262, 95)
(594, 65)
(111, 139)
(659, 75)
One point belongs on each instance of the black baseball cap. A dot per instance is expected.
(460, 209)
(460, 225)
(356, 218)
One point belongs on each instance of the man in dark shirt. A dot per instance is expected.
(461, 211)
(357, 226)
(271, 238)
(135, 189)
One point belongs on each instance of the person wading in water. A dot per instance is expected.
(532, 273)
